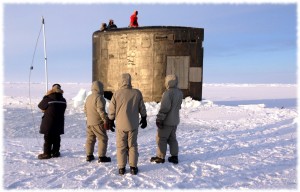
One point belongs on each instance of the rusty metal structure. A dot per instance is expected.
(149, 54)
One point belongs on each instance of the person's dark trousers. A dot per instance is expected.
(52, 143)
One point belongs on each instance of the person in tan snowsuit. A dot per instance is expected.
(97, 123)
(125, 107)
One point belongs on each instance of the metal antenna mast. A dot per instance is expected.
(45, 55)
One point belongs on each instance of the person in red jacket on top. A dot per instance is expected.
(133, 19)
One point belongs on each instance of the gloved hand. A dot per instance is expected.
(105, 125)
(159, 124)
(143, 122)
(111, 125)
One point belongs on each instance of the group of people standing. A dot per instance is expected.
(111, 25)
(125, 107)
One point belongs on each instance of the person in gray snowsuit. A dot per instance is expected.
(125, 106)
(167, 121)
(97, 123)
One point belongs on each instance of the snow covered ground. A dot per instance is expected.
(241, 136)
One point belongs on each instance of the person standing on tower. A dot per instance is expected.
(111, 24)
(134, 20)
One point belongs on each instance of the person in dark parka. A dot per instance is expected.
(111, 24)
(103, 27)
(53, 105)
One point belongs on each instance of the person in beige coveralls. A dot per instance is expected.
(125, 106)
(167, 121)
(97, 123)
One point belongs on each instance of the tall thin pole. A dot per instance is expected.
(45, 55)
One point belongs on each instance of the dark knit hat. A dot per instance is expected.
(57, 88)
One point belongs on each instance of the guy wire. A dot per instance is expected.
(31, 68)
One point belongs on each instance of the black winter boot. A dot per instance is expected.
(157, 160)
(104, 159)
(56, 154)
(122, 171)
(44, 156)
(90, 158)
(173, 159)
(134, 170)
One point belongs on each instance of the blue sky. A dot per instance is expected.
(243, 43)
